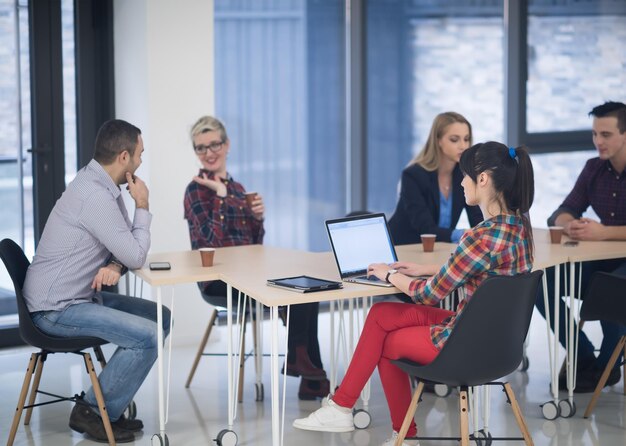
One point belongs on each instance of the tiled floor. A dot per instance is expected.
(198, 414)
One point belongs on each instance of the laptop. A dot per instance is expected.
(358, 242)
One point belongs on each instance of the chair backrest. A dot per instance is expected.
(487, 340)
(605, 299)
(17, 264)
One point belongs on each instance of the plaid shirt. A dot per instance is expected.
(497, 246)
(600, 187)
(216, 222)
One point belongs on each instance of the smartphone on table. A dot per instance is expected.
(160, 266)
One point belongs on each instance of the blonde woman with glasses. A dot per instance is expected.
(218, 215)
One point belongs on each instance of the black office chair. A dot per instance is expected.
(605, 300)
(16, 264)
(485, 345)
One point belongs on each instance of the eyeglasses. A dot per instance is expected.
(214, 147)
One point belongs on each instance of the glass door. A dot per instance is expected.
(16, 180)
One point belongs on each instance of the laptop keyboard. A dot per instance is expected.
(370, 278)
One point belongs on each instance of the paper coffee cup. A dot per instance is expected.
(207, 254)
(556, 232)
(250, 197)
(428, 242)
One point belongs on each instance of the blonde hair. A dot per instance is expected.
(208, 124)
(428, 158)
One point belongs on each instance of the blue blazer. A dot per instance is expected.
(417, 211)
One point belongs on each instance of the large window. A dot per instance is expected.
(527, 76)
(280, 92)
(424, 58)
(576, 60)
(20, 192)
(16, 199)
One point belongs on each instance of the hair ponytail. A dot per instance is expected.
(512, 174)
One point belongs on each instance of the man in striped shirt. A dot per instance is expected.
(89, 242)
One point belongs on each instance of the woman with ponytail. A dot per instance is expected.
(497, 178)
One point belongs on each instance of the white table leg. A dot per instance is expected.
(159, 303)
(276, 438)
(229, 358)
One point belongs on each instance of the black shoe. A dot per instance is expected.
(311, 390)
(128, 424)
(589, 382)
(614, 377)
(84, 420)
(584, 369)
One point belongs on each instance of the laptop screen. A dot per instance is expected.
(359, 241)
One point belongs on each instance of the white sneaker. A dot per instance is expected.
(392, 441)
(329, 418)
(326, 399)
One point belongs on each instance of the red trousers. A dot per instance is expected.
(391, 331)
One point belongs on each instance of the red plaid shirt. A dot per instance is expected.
(215, 222)
(497, 246)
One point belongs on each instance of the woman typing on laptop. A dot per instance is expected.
(499, 180)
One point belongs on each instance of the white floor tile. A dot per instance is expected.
(198, 414)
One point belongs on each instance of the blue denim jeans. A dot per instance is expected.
(129, 323)
(611, 331)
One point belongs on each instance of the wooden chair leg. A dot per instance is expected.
(32, 363)
(605, 376)
(410, 414)
(100, 356)
(518, 414)
(255, 342)
(463, 416)
(242, 358)
(35, 387)
(99, 398)
(203, 342)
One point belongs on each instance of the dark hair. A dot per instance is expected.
(511, 172)
(114, 137)
(616, 109)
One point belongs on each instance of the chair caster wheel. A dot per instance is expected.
(442, 390)
(226, 438)
(567, 409)
(259, 392)
(483, 438)
(131, 411)
(550, 410)
(362, 418)
(160, 440)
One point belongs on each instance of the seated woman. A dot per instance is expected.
(431, 196)
(218, 215)
(499, 180)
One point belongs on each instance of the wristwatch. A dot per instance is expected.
(389, 273)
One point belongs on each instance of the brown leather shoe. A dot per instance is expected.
(303, 366)
(84, 420)
(311, 390)
(128, 425)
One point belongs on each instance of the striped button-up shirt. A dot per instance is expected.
(497, 246)
(87, 226)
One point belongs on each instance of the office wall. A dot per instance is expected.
(163, 83)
